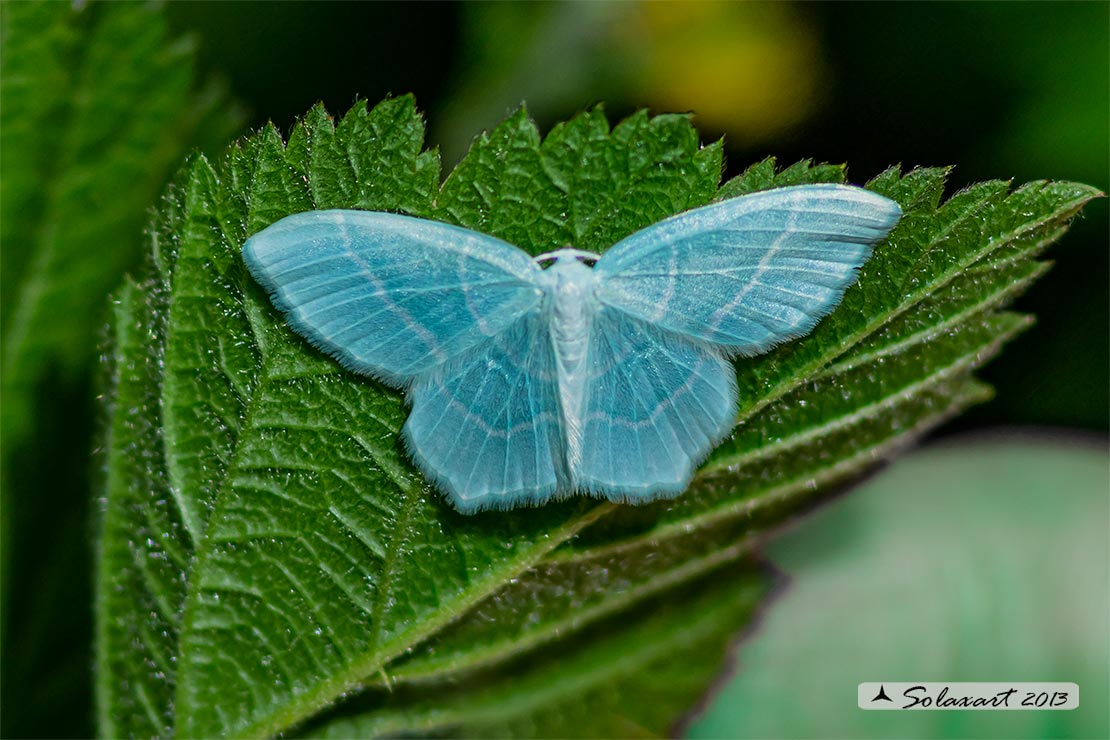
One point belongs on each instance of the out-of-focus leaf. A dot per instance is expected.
(82, 162)
(984, 559)
(97, 106)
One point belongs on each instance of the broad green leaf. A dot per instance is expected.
(81, 164)
(98, 105)
(312, 562)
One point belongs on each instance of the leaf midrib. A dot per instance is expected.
(392, 550)
(498, 652)
(490, 656)
(205, 544)
(303, 706)
(573, 684)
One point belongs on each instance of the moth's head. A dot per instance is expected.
(566, 255)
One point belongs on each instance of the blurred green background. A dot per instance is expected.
(1001, 90)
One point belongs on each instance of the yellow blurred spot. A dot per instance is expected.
(748, 69)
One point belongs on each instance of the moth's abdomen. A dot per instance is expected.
(573, 306)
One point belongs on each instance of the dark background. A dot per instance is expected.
(1000, 90)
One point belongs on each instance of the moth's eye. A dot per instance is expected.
(567, 254)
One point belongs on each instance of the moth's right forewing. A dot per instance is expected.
(749, 272)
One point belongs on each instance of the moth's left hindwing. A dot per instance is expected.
(488, 427)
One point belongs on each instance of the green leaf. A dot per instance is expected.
(97, 107)
(312, 563)
(766, 175)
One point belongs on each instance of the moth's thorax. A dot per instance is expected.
(572, 304)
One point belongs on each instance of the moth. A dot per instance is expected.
(534, 378)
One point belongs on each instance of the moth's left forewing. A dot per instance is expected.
(388, 295)
(749, 272)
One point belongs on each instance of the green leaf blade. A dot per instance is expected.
(663, 659)
(764, 175)
(500, 188)
(144, 548)
(321, 564)
(38, 43)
